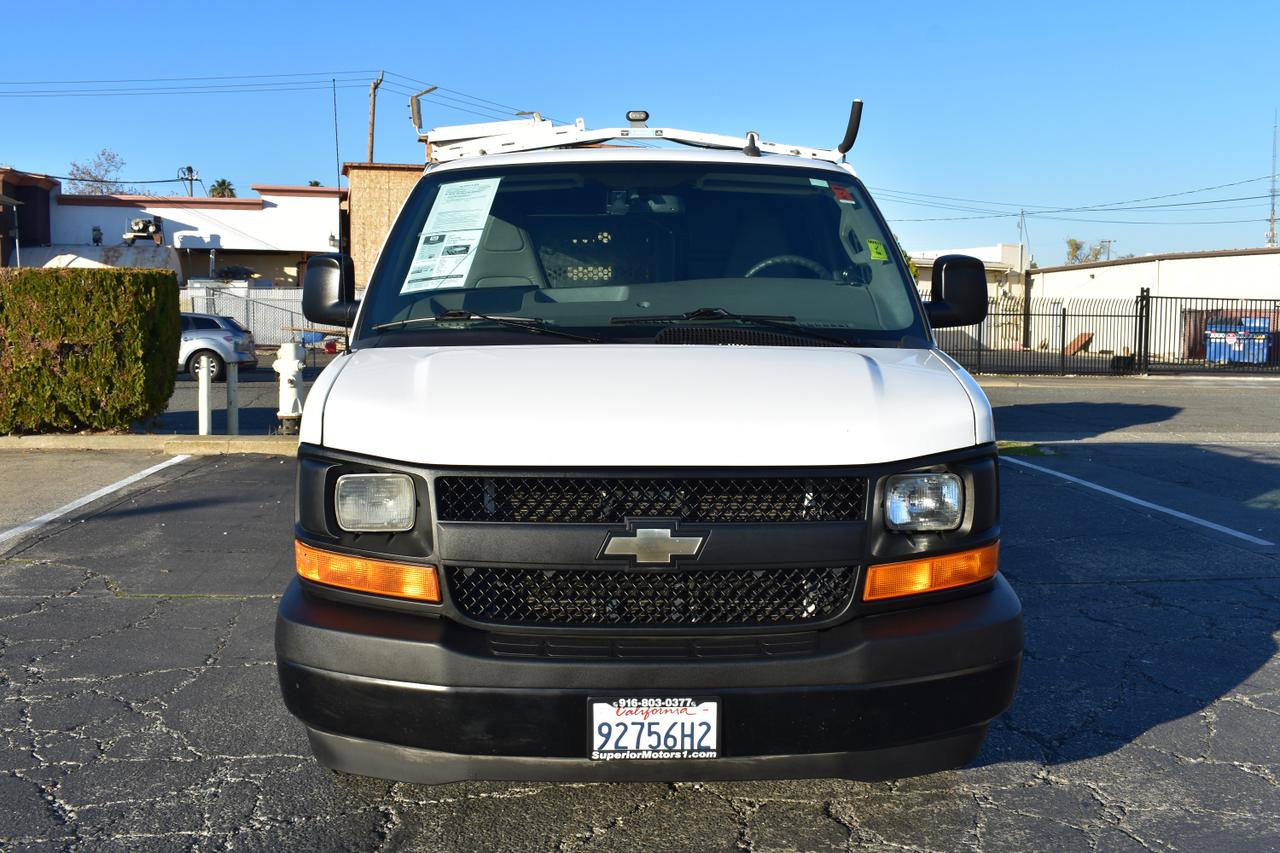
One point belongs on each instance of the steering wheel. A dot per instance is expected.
(795, 260)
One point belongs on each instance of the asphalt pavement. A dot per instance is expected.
(140, 708)
(36, 483)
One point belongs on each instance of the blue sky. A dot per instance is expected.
(1026, 104)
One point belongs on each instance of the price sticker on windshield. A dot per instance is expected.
(876, 248)
(451, 235)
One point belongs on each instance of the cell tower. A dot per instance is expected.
(1271, 222)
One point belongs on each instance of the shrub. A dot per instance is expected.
(85, 348)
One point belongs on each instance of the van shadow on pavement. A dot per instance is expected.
(1080, 419)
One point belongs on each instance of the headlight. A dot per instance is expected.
(374, 503)
(923, 502)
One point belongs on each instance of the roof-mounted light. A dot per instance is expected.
(637, 117)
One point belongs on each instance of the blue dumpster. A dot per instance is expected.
(1256, 324)
(1245, 342)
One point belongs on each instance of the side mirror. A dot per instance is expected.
(329, 290)
(959, 292)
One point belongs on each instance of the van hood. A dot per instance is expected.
(647, 405)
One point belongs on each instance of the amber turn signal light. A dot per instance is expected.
(891, 580)
(361, 574)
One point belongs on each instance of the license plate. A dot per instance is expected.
(639, 728)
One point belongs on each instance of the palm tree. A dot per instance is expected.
(222, 188)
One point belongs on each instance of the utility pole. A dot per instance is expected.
(373, 108)
(1107, 243)
(1024, 240)
(1271, 222)
(1022, 249)
(188, 174)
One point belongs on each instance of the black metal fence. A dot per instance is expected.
(1145, 334)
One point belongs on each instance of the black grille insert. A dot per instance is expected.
(611, 500)
(737, 647)
(638, 597)
(721, 336)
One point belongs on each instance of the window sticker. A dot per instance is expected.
(449, 239)
(839, 192)
(877, 250)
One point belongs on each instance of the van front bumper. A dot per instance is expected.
(426, 700)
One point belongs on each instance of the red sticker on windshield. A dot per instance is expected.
(842, 193)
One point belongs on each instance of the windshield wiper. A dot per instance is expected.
(776, 321)
(529, 324)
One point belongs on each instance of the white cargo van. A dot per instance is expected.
(643, 464)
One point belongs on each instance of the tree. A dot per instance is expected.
(1077, 253)
(100, 176)
(911, 265)
(222, 188)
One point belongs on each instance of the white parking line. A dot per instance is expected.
(28, 526)
(1139, 501)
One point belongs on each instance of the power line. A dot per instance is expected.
(1100, 221)
(446, 97)
(508, 107)
(1062, 207)
(1154, 221)
(457, 92)
(244, 86)
(882, 190)
(106, 93)
(404, 90)
(1173, 207)
(890, 198)
(325, 74)
(1178, 203)
(113, 181)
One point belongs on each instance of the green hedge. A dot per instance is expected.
(85, 348)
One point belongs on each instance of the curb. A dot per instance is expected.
(192, 445)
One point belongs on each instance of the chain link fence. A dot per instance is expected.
(273, 316)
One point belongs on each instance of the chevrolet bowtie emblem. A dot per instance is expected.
(651, 545)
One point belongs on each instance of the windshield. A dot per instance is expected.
(631, 252)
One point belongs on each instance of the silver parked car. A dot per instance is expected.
(221, 338)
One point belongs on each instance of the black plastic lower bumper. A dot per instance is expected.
(418, 699)
(432, 767)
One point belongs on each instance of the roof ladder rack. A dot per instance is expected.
(536, 134)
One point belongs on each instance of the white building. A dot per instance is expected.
(1225, 273)
(271, 235)
(1005, 263)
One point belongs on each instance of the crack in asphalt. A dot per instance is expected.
(57, 754)
(1147, 717)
